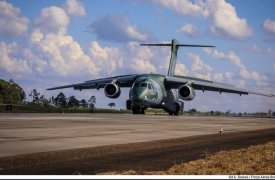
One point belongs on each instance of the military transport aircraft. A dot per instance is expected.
(157, 90)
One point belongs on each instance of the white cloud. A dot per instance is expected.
(11, 23)
(229, 76)
(269, 26)
(52, 20)
(199, 69)
(217, 54)
(235, 59)
(63, 55)
(74, 7)
(190, 30)
(222, 16)
(224, 21)
(256, 48)
(218, 77)
(252, 75)
(231, 57)
(119, 28)
(207, 50)
(183, 7)
(106, 59)
(9, 63)
(181, 69)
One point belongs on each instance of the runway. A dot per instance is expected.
(27, 133)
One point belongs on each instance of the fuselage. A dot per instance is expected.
(150, 91)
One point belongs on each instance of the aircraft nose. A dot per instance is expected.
(138, 95)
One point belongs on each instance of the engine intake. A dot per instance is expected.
(112, 90)
(186, 93)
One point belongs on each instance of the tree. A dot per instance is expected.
(83, 103)
(51, 101)
(35, 95)
(22, 96)
(73, 102)
(43, 101)
(10, 92)
(91, 102)
(111, 104)
(60, 100)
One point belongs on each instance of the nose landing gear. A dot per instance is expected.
(138, 110)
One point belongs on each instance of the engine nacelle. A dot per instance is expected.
(112, 90)
(186, 93)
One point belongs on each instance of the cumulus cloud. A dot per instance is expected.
(231, 57)
(252, 75)
(74, 8)
(218, 77)
(224, 21)
(222, 16)
(107, 59)
(52, 20)
(190, 30)
(63, 55)
(269, 26)
(207, 50)
(229, 76)
(8, 61)
(118, 28)
(183, 7)
(11, 23)
(181, 69)
(199, 69)
(217, 54)
(235, 59)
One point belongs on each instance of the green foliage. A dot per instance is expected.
(111, 104)
(91, 102)
(73, 102)
(11, 93)
(35, 95)
(61, 100)
(83, 103)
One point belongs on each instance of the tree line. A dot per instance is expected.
(12, 93)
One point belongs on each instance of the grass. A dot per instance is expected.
(254, 160)
(20, 108)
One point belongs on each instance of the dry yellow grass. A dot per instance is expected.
(254, 160)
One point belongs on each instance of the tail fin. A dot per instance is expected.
(174, 50)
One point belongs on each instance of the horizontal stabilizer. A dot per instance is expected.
(182, 45)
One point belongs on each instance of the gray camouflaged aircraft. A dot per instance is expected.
(157, 90)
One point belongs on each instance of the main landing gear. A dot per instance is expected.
(176, 113)
(138, 110)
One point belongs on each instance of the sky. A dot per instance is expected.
(50, 43)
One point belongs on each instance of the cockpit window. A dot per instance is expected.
(150, 86)
(143, 85)
(136, 85)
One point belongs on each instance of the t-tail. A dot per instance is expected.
(174, 50)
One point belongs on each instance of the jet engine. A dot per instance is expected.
(112, 90)
(186, 93)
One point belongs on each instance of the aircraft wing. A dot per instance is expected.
(206, 85)
(123, 81)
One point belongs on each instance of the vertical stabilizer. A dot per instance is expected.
(173, 58)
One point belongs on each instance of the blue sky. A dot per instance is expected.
(49, 43)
